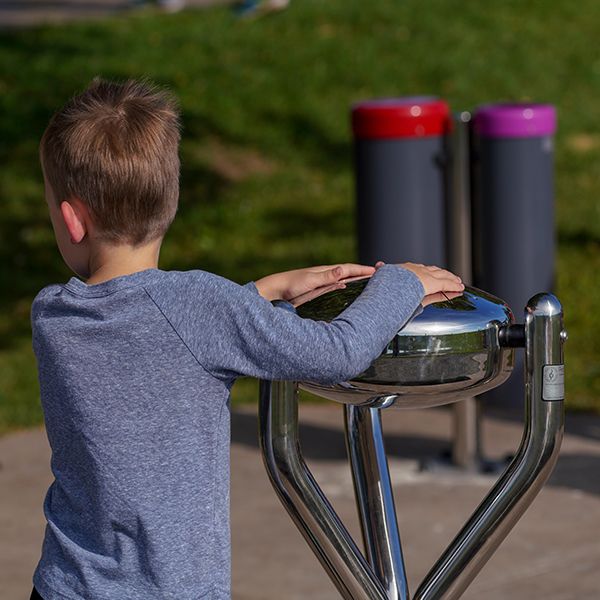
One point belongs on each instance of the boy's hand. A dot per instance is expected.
(302, 285)
(433, 279)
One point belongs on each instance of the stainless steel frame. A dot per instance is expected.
(383, 576)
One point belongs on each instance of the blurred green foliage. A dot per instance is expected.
(266, 154)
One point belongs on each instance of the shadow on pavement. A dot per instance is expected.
(574, 471)
(582, 424)
(577, 471)
(326, 443)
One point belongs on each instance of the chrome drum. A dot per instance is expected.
(448, 351)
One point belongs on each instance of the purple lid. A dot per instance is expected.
(515, 120)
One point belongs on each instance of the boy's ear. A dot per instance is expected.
(74, 215)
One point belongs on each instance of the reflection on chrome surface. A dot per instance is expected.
(450, 350)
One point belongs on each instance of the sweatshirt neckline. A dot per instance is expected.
(105, 288)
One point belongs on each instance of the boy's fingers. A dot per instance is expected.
(443, 274)
(349, 279)
(355, 270)
(334, 273)
(345, 266)
(436, 271)
(341, 271)
(331, 274)
(346, 270)
(434, 283)
(450, 285)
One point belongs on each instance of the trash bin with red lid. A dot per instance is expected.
(399, 166)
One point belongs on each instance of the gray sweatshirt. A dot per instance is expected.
(135, 375)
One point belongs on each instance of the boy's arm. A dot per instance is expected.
(300, 285)
(233, 332)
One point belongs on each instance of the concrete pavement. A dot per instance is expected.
(553, 553)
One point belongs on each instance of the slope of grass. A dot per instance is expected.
(267, 181)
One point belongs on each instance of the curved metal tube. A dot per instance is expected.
(525, 476)
(375, 498)
(304, 500)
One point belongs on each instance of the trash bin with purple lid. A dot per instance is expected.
(399, 166)
(513, 212)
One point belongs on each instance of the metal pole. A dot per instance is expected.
(375, 499)
(465, 422)
(459, 200)
(304, 500)
(525, 476)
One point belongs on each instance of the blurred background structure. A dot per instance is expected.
(267, 184)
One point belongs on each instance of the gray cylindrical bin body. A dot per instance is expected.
(514, 231)
(516, 241)
(400, 201)
(399, 166)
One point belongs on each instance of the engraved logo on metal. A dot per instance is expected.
(553, 382)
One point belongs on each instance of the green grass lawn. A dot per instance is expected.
(266, 153)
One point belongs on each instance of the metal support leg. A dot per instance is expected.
(465, 442)
(525, 476)
(304, 500)
(375, 499)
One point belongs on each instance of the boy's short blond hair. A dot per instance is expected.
(115, 147)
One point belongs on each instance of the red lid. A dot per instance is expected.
(417, 116)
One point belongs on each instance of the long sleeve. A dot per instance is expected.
(232, 331)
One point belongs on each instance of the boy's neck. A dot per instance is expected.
(110, 261)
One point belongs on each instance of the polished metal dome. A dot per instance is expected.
(449, 351)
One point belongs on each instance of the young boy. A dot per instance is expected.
(136, 364)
